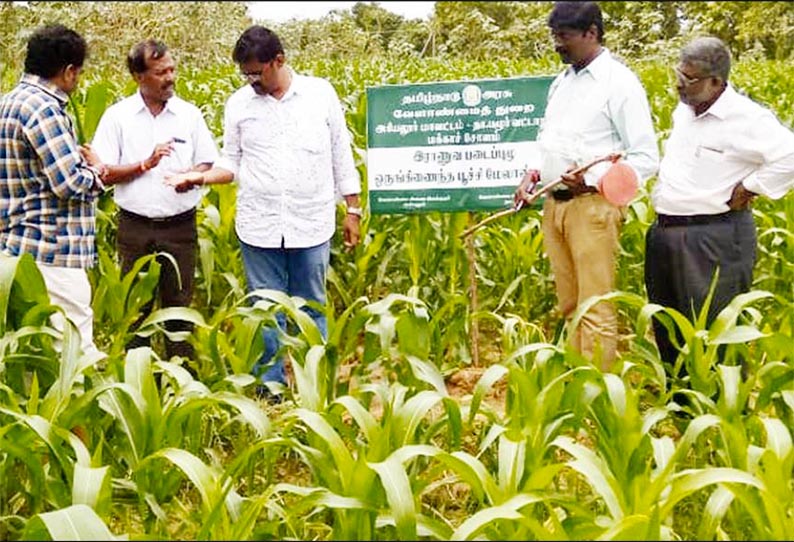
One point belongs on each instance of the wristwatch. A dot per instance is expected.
(358, 211)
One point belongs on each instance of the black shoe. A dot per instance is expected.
(263, 393)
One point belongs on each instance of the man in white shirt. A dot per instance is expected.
(595, 107)
(142, 138)
(723, 150)
(286, 142)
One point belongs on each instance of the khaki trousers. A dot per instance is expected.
(581, 239)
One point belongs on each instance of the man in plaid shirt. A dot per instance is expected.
(48, 183)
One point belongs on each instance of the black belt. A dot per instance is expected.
(566, 194)
(181, 217)
(668, 221)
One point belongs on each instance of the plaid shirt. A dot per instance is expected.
(47, 191)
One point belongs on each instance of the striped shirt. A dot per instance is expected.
(47, 191)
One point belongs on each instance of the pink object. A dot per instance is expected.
(619, 184)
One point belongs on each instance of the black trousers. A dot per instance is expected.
(177, 235)
(681, 257)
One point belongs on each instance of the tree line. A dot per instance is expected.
(203, 33)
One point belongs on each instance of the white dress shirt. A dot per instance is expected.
(735, 140)
(600, 110)
(291, 158)
(128, 132)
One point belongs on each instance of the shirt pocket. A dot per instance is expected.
(709, 159)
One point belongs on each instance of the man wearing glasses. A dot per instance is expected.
(597, 106)
(286, 142)
(723, 151)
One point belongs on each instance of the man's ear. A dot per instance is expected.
(280, 59)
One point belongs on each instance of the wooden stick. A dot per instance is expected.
(474, 306)
(614, 157)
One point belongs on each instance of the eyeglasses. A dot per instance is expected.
(686, 80)
(257, 74)
(252, 76)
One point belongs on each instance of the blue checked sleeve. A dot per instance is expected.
(51, 134)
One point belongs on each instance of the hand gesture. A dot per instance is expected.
(182, 182)
(160, 150)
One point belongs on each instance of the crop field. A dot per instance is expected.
(424, 415)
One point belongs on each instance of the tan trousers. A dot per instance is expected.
(581, 239)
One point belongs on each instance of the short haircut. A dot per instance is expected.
(53, 47)
(578, 15)
(709, 55)
(136, 59)
(257, 42)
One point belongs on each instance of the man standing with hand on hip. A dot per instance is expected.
(723, 151)
(286, 142)
(596, 107)
(142, 138)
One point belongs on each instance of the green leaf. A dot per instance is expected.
(76, 522)
(91, 486)
(399, 494)
(488, 516)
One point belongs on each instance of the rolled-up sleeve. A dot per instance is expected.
(346, 177)
(773, 145)
(231, 152)
(631, 116)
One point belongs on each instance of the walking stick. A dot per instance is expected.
(617, 199)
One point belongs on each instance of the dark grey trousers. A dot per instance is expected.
(681, 259)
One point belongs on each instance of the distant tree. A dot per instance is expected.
(763, 29)
(198, 33)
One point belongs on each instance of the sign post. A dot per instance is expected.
(451, 147)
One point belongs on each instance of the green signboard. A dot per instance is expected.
(452, 146)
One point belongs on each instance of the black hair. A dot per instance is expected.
(257, 42)
(578, 15)
(136, 59)
(53, 47)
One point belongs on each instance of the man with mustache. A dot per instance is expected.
(142, 138)
(286, 142)
(723, 151)
(595, 107)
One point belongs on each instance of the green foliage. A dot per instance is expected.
(373, 441)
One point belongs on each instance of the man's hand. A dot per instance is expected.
(89, 155)
(182, 182)
(351, 231)
(522, 193)
(573, 181)
(741, 198)
(160, 150)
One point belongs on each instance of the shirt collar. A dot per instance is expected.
(597, 67)
(47, 86)
(722, 107)
(139, 104)
(296, 86)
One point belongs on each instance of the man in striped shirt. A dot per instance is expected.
(48, 183)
